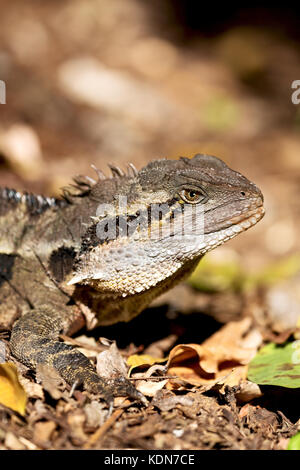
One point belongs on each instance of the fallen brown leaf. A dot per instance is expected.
(76, 420)
(43, 431)
(221, 358)
(138, 360)
(169, 402)
(32, 389)
(95, 414)
(12, 442)
(50, 380)
(110, 363)
(248, 391)
(149, 387)
(94, 438)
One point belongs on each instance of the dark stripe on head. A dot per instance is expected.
(113, 227)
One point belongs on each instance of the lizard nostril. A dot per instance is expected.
(243, 193)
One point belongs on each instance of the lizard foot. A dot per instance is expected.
(34, 341)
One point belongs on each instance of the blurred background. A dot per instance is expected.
(122, 81)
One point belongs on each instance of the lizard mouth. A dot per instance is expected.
(243, 218)
(249, 218)
(236, 225)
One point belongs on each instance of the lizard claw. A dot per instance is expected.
(110, 404)
(121, 387)
(142, 398)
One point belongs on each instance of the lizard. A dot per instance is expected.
(101, 252)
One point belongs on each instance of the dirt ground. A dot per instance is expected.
(103, 82)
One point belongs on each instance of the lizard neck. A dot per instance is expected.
(106, 309)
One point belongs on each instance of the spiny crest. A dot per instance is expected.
(81, 187)
(83, 184)
(36, 204)
(116, 172)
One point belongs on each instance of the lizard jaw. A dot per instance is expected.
(241, 224)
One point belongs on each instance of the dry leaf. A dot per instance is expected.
(12, 394)
(76, 420)
(110, 363)
(51, 381)
(13, 443)
(87, 345)
(169, 402)
(248, 391)
(232, 347)
(43, 431)
(28, 444)
(95, 414)
(222, 359)
(149, 388)
(32, 389)
(137, 360)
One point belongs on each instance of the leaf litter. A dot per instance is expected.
(200, 387)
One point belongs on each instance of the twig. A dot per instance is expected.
(162, 377)
(105, 427)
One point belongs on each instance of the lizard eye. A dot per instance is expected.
(192, 196)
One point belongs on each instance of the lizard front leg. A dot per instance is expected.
(34, 340)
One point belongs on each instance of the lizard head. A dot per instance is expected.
(161, 221)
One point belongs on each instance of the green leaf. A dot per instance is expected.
(277, 365)
(294, 442)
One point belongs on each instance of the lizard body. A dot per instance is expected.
(106, 249)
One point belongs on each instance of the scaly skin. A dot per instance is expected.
(106, 249)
